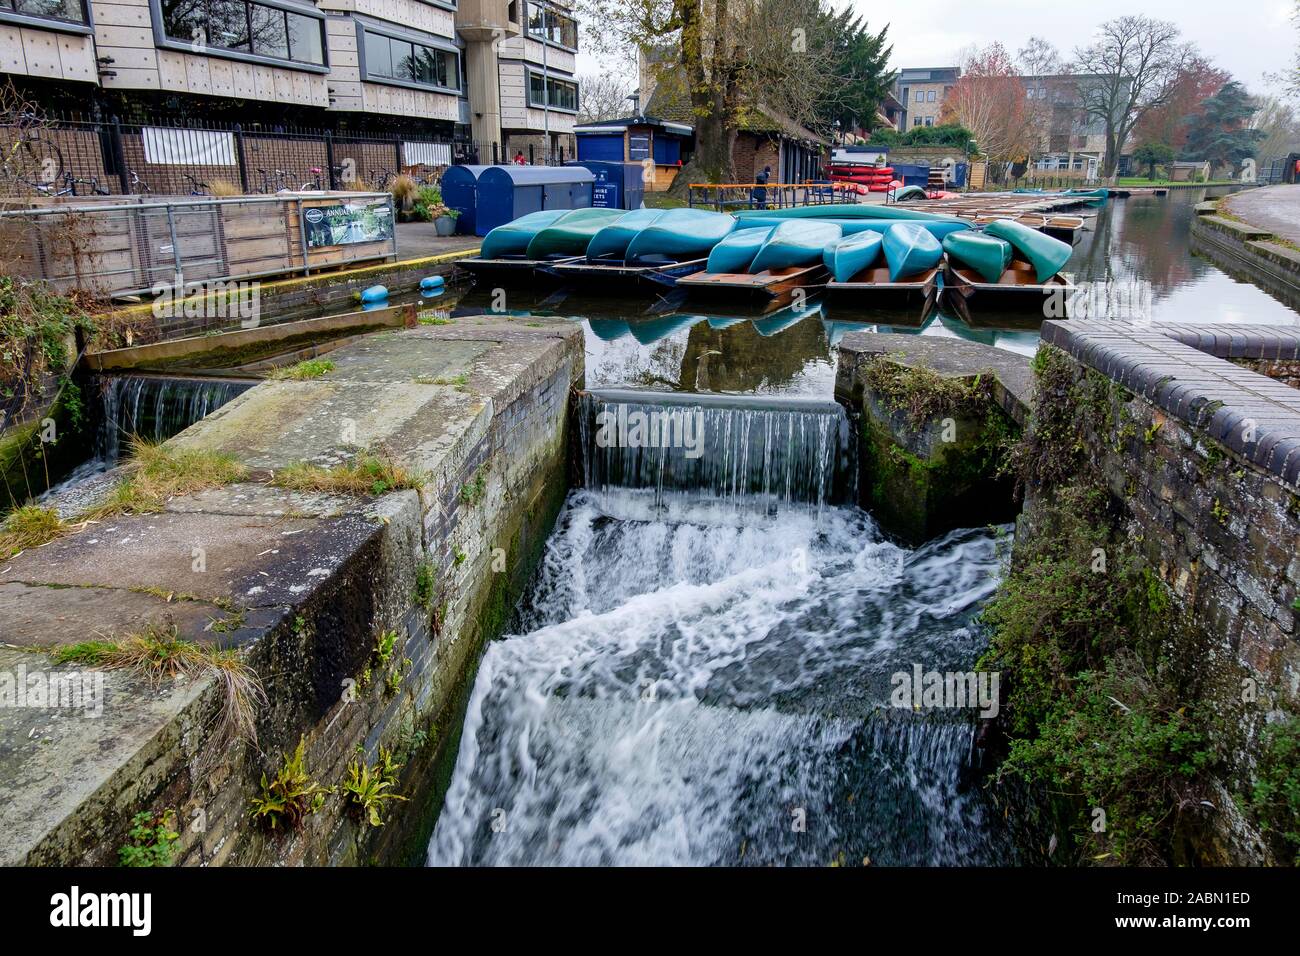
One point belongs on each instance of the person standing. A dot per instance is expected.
(758, 196)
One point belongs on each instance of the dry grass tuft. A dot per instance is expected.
(158, 472)
(158, 653)
(368, 474)
(29, 527)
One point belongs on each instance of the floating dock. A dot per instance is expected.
(618, 276)
(873, 288)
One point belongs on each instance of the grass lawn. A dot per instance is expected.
(1140, 181)
(663, 201)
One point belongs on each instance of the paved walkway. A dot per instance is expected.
(1275, 208)
(418, 239)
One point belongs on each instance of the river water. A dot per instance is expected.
(701, 671)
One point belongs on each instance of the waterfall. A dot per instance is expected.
(757, 453)
(156, 407)
(692, 683)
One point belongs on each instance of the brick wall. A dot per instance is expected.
(1204, 457)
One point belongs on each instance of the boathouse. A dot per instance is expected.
(634, 139)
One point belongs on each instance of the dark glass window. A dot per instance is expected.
(559, 94)
(552, 25)
(71, 10)
(393, 59)
(245, 28)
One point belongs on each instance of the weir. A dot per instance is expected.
(156, 407)
(750, 452)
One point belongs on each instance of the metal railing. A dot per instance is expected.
(726, 196)
(86, 158)
(132, 247)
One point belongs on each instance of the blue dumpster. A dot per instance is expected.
(627, 180)
(460, 191)
(507, 192)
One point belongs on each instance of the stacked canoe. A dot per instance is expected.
(877, 179)
(869, 254)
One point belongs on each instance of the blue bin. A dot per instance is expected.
(460, 191)
(507, 192)
(629, 178)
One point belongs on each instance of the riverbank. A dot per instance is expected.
(1254, 234)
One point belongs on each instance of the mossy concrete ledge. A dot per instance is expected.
(936, 418)
(362, 614)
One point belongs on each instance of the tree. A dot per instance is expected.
(604, 97)
(859, 70)
(1131, 68)
(1279, 126)
(1198, 80)
(1038, 57)
(990, 101)
(1154, 154)
(728, 58)
(1222, 133)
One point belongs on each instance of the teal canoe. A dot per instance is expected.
(794, 245)
(737, 250)
(571, 233)
(904, 193)
(1045, 254)
(612, 241)
(680, 234)
(910, 250)
(839, 210)
(848, 256)
(512, 239)
(987, 255)
(936, 226)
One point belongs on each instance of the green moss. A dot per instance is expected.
(1119, 708)
(1276, 798)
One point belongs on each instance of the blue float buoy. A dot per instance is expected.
(376, 293)
(432, 282)
(431, 293)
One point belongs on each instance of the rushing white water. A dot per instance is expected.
(697, 685)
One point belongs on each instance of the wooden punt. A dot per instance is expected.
(872, 288)
(1018, 292)
(617, 276)
(766, 286)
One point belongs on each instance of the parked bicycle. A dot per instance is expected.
(32, 157)
(197, 188)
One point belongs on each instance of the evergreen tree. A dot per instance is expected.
(1221, 133)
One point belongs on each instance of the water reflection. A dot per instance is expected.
(1132, 250)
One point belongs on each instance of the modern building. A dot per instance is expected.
(521, 56)
(492, 71)
(1071, 139)
(921, 92)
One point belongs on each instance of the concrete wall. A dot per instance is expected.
(316, 579)
(48, 54)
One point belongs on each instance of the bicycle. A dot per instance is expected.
(137, 186)
(32, 158)
(197, 188)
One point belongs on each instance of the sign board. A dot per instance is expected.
(605, 195)
(348, 223)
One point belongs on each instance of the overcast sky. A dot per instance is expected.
(1248, 39)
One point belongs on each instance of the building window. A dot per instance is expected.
(69, 11)
(638, 148)
(257, 29)
(929, 96)
(407, 61)
(916, 121)
(555, 93)
(920, 96)
(552, 26)
(929, 121)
